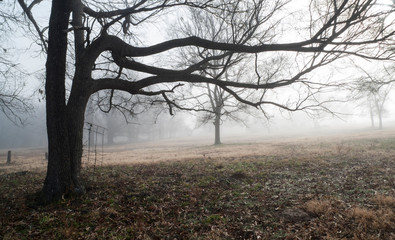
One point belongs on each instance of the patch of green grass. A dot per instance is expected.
(211, 219)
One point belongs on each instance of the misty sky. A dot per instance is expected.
(351, 114)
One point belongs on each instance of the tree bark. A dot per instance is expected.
(76, 116)
(58, 180)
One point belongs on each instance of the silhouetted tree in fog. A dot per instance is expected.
(215, 104)
(373, 90)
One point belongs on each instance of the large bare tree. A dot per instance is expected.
(99, 32)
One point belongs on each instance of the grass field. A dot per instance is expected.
(330, 187)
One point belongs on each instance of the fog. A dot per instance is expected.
(150, 127)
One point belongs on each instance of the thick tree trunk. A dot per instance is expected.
(65, 122)
(63, 177)
(76, 116)
(217, 126)
(58, 180)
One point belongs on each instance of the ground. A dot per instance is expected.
(328, 187)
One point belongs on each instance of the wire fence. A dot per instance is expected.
(93, 153)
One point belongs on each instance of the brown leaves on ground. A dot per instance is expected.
(315, 191)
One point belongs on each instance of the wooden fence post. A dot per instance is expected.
(9, 157)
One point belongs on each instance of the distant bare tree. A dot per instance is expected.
(215, 104)
(373, 90)
(13, 102)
